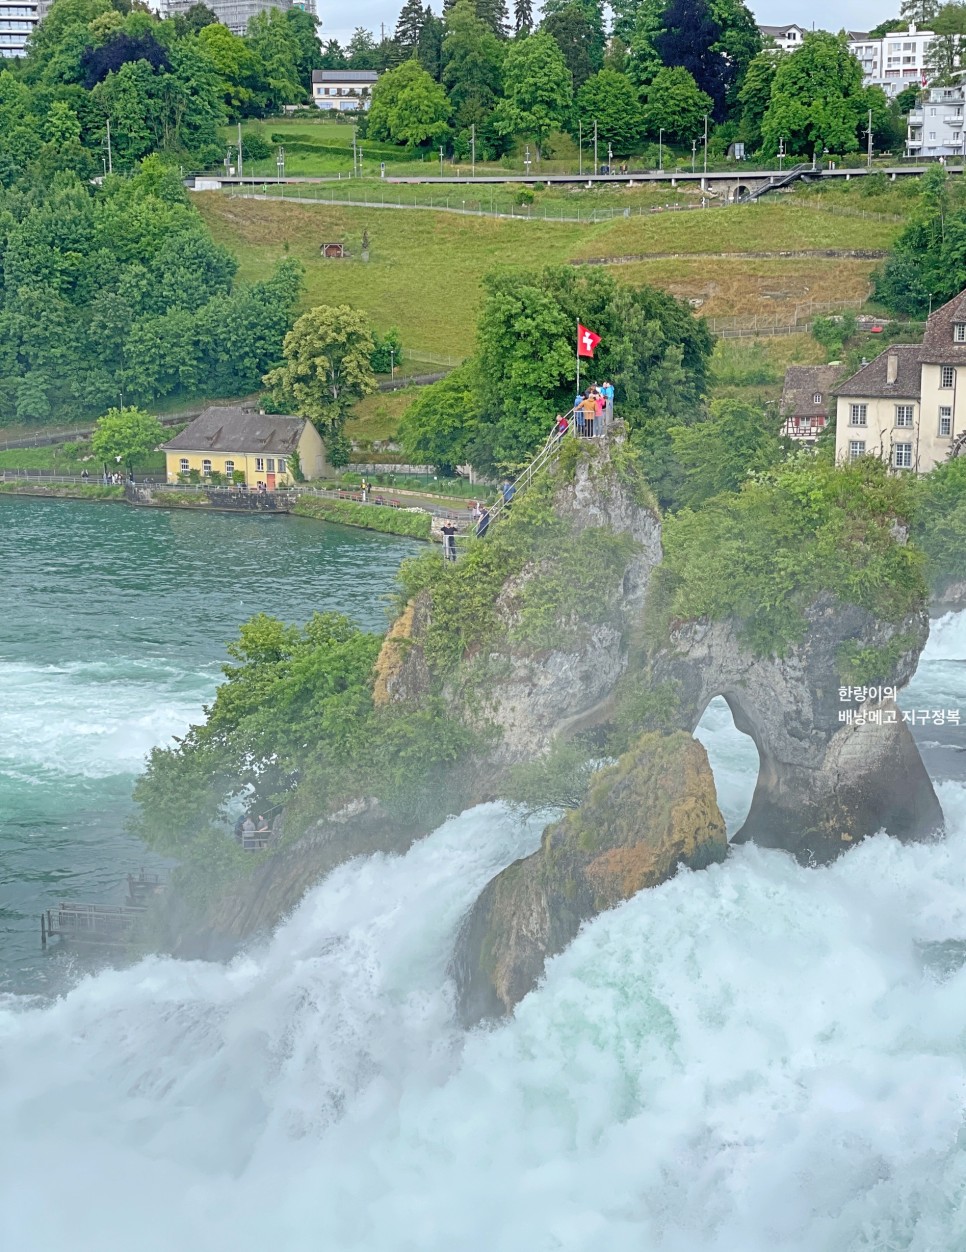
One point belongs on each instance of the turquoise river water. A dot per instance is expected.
(754, 1058)
(113, 628)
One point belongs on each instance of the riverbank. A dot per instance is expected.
(383, 519)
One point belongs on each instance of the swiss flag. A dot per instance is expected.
(587, 341)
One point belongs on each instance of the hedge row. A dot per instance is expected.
(368, 516)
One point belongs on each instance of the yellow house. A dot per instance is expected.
(234, 441)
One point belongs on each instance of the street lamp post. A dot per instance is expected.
(580, 146)
(280, 163)
(526, 160)
(868, 159)
(706, 143)
(781, 152)
(595, 147)
(441, 160)
(660, 150)
(694, 153)
(473, 149)
(610, 159)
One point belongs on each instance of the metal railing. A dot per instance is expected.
(546, 456)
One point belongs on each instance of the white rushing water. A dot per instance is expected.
(753, 1058)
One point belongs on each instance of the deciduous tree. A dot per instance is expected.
(538, 89)
(408, 107)
(817, 99)
(612, 102)
(675, 104)
(327, 365)
(126, 435)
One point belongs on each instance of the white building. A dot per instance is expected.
(935, 125)
(906, 406)
(897, 60)
(234, 14)
(343, 90)
(788, 38)
(17, 22)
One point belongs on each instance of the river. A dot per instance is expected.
(113, 630)
(749, 1058)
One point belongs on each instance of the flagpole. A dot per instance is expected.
(578, 356)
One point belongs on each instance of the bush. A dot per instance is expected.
(524, 196)
(255, 144)
(368, 516)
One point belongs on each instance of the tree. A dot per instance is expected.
(472, 65)
(407, 107)
(268, 35)
(906, 100)
(922, 12)
(429, 52)
(579, 37)
(755, 94)
(538, 89)
(408, 26)
(718, 454)
(440, 425)
(676, 105)
(494, 14)
(361, 50)
(303, 35)
(522, 17)
(610, 100)
(327, 365)
(944, 51)
(126, 434)
(689, 40)
(817, 99)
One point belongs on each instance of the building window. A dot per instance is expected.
(817, 398)
(184, 465)
(857, 414)
(904, 414)
(282, 467)
(945, 421)
(856, 448)
(947, 376)
(959, 330)
(902, 456)
(229, 468)
(206, 466)
(259, 465)
(271, 465)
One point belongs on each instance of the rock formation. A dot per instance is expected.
(825, 780)
(541, 691)
(650, 813)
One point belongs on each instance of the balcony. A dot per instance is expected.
(916, 118)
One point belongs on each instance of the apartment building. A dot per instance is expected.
(17, 22)
(897, 60)
(906, 406)
(235, 14)
(935, 125)
(788, 38)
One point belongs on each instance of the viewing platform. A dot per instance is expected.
(101, 924)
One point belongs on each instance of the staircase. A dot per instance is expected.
(545, 457)
(790, 176)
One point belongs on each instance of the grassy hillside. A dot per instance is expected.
(424, 271)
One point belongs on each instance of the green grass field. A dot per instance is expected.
(425, 268)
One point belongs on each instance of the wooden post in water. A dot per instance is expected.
(43, 930)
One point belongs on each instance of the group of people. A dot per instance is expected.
(593, 409)
(110, 480)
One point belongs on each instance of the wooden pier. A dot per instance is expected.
(103, 924)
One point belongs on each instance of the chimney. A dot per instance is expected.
(892, 368)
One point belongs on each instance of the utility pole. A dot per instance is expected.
(580, 146)
(781, 152)
(354, 149)
(473, 148)
(660, 150)
(241, 163)
(595, 146)
(110, 163)
(694, 153)
(868, 161)
(280, 163)
(441, 160)
(706, 143)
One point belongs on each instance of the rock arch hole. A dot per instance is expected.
(734, 762)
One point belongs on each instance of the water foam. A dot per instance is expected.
(753, 1057)
(93, 719)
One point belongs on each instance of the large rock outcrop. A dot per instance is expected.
(650, 813)
(825, 778)
(535, 692)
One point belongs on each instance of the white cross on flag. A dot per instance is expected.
(587, 341)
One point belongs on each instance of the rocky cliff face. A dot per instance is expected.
(538, 692)
(825, 778)
(643, 818)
